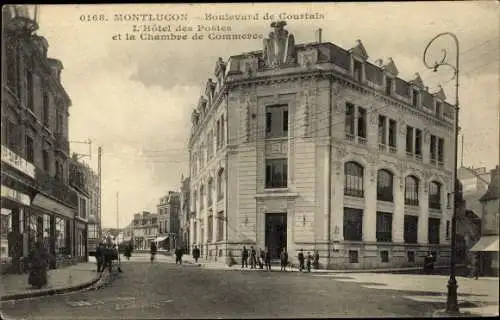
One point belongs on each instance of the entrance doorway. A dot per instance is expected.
(276, 226)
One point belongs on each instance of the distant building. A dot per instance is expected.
(168, 209)
(145, 229)
(487, 246)
(185, 213)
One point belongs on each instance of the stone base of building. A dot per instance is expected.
(340, 255)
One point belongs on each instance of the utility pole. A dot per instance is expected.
(462, 153)
(99, 155)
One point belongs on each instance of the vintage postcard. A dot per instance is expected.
(270, 160)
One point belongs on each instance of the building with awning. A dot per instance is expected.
(160, 239)
(487, 246)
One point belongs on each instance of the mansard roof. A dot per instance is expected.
(417, 81)
(359, 50)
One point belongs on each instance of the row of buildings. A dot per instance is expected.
(312, 146)
(46, 194)
(168, 227)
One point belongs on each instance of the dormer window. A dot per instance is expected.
(414, 97)
(438, 108)
(388, 85)
(358, 71)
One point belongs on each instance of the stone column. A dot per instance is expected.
(399, 209)
(423, 219)
(370, 212)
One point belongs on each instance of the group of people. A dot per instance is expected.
(263, 259)
(154, 249)
(105, 255)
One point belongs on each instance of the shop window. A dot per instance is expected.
(353, 256)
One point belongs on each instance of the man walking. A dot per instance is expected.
(301, 260)
(244, 258)
(196, 254)
(152, 250)
(284, 259)
(268, 259)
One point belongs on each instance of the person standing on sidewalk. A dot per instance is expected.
(309, 261)
(284, 260)
(153, 250)
(316, 260)
(262, 257)
(99, 257)
(301, 260)
(267, 259)
(196, 254)
(38, 259)
(244, 257)
(253, 258)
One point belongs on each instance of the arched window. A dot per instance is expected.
(411, 191)
(385, 185)
(353, 179)
(220, 184)
(435, 195)
(202, 197)
(210, 191)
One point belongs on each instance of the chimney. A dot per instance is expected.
(379, 62)
(319, 34)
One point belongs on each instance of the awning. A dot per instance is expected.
(486, 243)
(51, 205)
(160, 239)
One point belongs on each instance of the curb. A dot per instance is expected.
(50, 292)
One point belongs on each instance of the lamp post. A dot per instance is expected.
(451, 301)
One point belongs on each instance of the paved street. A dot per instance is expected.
(166, 290)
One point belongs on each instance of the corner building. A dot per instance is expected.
(312, 146)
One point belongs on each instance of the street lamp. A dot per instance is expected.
(452, 299)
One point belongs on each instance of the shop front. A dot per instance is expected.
(81, 253)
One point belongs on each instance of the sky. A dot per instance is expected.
(135, 98)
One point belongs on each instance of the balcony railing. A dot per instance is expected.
(77, 178)
(56, 188)
(62, 143)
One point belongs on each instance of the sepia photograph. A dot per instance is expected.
(250, 160)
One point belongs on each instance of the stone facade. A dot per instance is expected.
(169, 208)
(315, 84)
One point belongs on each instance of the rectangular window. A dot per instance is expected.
(59, 122)
(222, 131)
(388, 86)
(447, 229)
(285, 120)
(220, 226)
(30, 151)
(409, 139)
(362, 122)
(410, 229)
(438, 109)
(433, 230)
(29, 89)
(46, 164)
(353, 256)
(276, 173)
(218, 143)
(411, 256)
(381, 130)
(11, 137)
(414, 100)
(353, 224)
(441, 150)
(210, 228)
(418, 142)
(46, 108)
(384, 256)
(358, 68)
(275, 121)
(433, 147)
(384, 227)
(12, 65)
(392, 134)
(349, 119)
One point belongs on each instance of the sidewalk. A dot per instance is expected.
(71, 278)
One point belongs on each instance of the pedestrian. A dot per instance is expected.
(253, 257)
(262, 257)
(309, 261)
(428, 263)
(284, 259)
(108, 258)
(244, 258)
(196, 254)
(38, 260)
(128, 251)
(301, 260)
(476, 267)
(153, 250)
(316, 260)
(268, 259)
(99, 256)
(178, 255)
